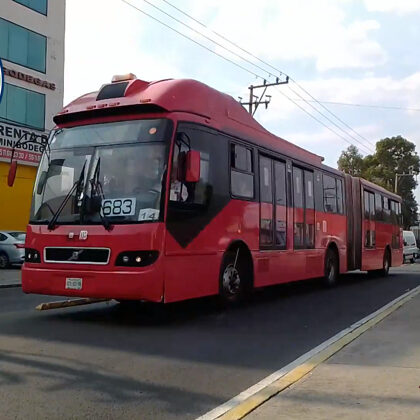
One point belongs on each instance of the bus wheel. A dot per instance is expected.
(331, 268)
(232, 277)
(386, 264)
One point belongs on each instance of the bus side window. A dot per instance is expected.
(378, 207)
(340, 197)
(330, 194)
(241, 172)
(385, 210)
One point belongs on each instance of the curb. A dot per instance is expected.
(241, 405)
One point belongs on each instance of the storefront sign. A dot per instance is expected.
(28, 78)
(26, 153)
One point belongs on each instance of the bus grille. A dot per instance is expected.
(77, 255)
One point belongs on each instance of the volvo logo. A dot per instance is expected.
(1, 80)
(75, 255)
(83, 235)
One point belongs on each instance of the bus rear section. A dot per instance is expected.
(374, 223)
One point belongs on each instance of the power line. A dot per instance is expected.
(236, 64)
(331, 121)
(192, 40)
(208, 38)
(330, 112)
(316, 119)
(224, 38)
(272, 67)
(401, 108)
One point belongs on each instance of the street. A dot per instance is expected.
(109, 361)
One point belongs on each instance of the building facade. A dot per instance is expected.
(32, 53)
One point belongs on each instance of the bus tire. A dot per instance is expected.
(331, 268)
(386, 264)
(233, 278)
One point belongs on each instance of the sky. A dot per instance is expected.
(360, 52)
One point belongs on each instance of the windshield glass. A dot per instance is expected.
(118, 176)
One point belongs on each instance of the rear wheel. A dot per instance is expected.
(233, 282)
(4, 260)
(386, 264)
(331, 268)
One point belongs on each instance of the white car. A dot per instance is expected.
(12, 248)
(410, 251)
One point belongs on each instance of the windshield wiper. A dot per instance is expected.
(98, 191)
(78, 187)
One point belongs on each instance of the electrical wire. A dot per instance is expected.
(192, 40)
(208, 38)
(242, 67)
(401, 108)
(332, 122)
(272, 67)
(315, 118)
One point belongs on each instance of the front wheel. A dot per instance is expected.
(331, 268)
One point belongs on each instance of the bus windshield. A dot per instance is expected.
(113, 171)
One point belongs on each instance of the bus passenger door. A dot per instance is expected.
(272, 265)
(266, 203)
(309, 233)
(368, 260)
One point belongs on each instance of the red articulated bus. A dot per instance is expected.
(170, 190)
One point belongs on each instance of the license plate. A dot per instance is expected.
(75, 284)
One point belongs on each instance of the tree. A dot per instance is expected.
(397, 155)
(393, 155)
(351, 161)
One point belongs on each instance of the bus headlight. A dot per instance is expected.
(136, 258)
(32, 255)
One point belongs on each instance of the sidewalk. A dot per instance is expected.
(377, 376)
(10, 278)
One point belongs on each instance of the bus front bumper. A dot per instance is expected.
(120, 285)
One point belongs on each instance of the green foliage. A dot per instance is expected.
(351, 161)
(394, 155)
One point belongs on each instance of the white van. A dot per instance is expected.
(410, 251)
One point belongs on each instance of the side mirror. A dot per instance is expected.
(12, 173)
(192, 166)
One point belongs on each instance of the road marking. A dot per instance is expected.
(248, 400)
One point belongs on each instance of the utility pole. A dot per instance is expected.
(410, 173)
(255, 100)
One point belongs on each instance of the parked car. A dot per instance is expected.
(12, 248)
(410, 251)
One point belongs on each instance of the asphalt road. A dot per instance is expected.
(105, 361)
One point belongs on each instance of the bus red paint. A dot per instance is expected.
(118, 212)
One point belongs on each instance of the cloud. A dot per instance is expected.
(393, 6)
(102, 44)
(312, 29)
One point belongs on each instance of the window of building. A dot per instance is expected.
(22, 46)
(23, 106)
(241, 174)
(39, 6)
